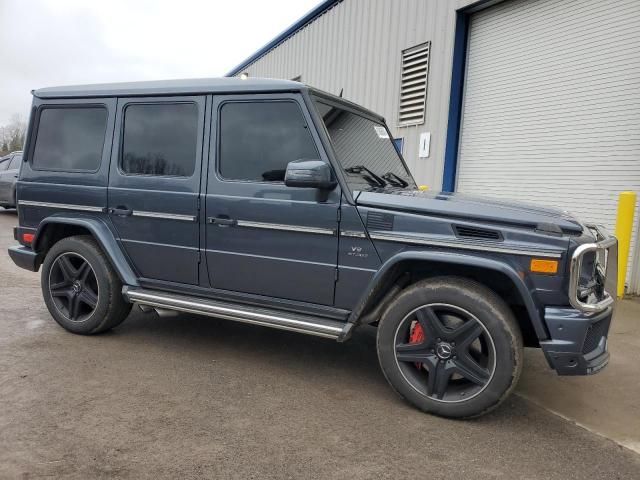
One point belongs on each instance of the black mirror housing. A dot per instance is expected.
(309, 174)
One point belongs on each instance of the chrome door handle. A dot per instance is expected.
(222, 221)
(121, 211)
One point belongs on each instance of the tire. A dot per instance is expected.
(437, 375)
(80, 287)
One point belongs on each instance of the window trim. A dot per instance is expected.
(32, 147)
(218, 164)
(123, 118)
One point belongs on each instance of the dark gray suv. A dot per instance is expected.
(271, 203)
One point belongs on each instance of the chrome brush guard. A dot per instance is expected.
(606, 248)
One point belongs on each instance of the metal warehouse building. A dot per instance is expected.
(535, 100)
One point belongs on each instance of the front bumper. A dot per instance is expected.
(578, 344)
(25, 258)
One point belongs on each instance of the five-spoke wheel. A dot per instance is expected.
(73, 286)
(450, 346)
(445, 352)
(80, 287)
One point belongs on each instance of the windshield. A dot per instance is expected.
(365, 150)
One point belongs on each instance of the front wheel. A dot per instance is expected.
(451, 347)
(80, 287)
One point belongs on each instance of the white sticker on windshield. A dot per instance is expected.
(382, 133)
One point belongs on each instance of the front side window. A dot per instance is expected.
(365, 150)
(259, 139)
(70, 139)
(160, 139)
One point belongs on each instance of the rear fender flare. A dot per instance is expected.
(383, 274)
(102, 234)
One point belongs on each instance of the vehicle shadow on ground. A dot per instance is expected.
(353, 363)
(264, 344)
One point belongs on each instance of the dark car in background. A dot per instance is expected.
(9, 171)
(271, 203)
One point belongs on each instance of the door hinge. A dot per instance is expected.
(337, 275)
(198, 204)
(339, 215)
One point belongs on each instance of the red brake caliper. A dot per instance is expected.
(416, 336)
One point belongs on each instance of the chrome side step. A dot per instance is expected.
(241, 313)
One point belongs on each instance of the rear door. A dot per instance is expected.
(154, 185)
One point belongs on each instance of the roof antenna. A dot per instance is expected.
(340, 94)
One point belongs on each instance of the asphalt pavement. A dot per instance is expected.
(192, 397)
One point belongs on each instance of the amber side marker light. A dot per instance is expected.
(544, 266)
(27, 237)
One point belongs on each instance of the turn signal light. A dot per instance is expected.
(27, 237)
(544, 266)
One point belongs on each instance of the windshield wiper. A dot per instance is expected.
(373, 179)
(395, 180)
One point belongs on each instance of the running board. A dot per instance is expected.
(294, 322)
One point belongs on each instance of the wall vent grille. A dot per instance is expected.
(413, 84)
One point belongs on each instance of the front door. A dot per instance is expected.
(154, 184)
(263, 237)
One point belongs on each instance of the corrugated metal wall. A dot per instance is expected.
(357, 46)
(551, 110)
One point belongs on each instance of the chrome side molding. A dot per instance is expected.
(240, 313)
(285, 227)
(63, 206)
(462, 245)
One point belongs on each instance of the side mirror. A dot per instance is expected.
(309, 174)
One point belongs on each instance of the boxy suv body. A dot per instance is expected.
(271, 203)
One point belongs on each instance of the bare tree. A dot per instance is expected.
(12, 135)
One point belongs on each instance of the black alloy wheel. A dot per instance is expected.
(73, 286)
(444, 352)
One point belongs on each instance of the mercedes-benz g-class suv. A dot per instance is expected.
(271, 203)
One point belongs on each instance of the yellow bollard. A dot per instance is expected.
(624, 226)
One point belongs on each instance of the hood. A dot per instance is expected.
(467, 207)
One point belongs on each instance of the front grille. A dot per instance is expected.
(595, 332)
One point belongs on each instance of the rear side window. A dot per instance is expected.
(70, 139)
(160, 139)
(259, 139)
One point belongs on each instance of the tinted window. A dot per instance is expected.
(70, 139)
(258, 139)
(15, 162)
(160, 139)
(4, 164)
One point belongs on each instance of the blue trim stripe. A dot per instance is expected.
(308, 18)
(455, 103)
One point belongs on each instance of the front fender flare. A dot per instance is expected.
(102, 234)
(378, 281)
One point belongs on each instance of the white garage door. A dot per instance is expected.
(552, 105)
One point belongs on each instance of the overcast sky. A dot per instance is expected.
(62, 42)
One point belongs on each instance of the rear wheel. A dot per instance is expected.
(80, 287)
(451, 347)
